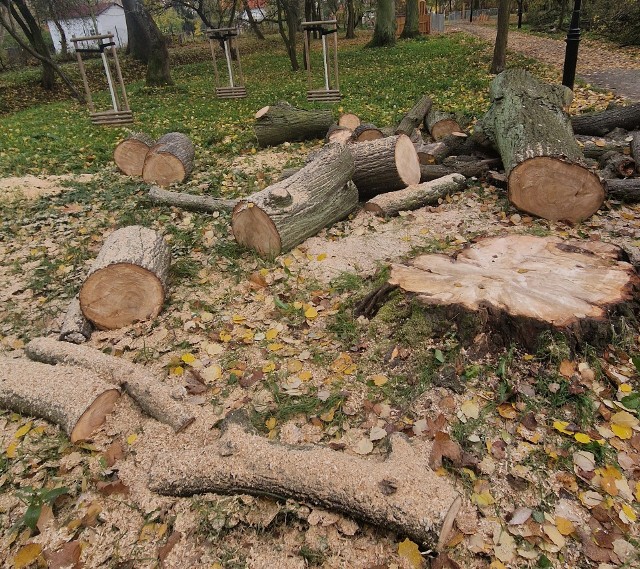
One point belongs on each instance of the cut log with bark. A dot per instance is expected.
(547, 173)
(416, 196)
(283, 215)
(600, 123)
(400, 493)
(130, 153)
(71, 397)
(128, 280)
(440, 124)
(385, 165)
(204, 204)
(145, 388)
(337, 133)
(415, 117)
(616, 165)
(513, 288)
(595, 147)
(283, 122)
(635, 148)
(468, 166)
(349, 120)
(170, 161)
(627, 190)
(366, 132)
(75, 327)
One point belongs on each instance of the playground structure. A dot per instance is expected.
(331, 91)
(120, 113)
(226, 37)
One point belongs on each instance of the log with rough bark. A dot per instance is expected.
(416, 196)
(544, 164)
(468, 166)
(594, 147)
(401, 493)
(366, 132)
(337, 133)
(635, 148)
(616, 165)
(75, 327)
(130, 153)
(385, 165)
(128, 280)
(205, 204)
(515, 287)
(147, 390)
(440, 124)
(415, 117)
(602, 122)
(286, 213)
(170, 160)
(349, 120)
(624, 190)
(71, 397)
(283, 122)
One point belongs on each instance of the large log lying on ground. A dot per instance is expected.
(415, 117)
(128, 279)
(205, 204)
(153, 396)
(400, 493)
(130, 153)
(75, 327)
(627, 190)
(384, 165)
(71, 397)
(283, 215)
(543, 162)
(170, 160)
(518, 286)
(595, 147)
(418, 195)
(465, 165)
(440, 124)
(282, 122)
(337, 133)
(602, 122)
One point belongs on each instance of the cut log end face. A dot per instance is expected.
(555, 189)
(407, 161)
(444, 128)
(253, 228)
(163, 169)
(120, 294)
(94, 416)
(129, 156)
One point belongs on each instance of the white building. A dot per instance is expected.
(79, 22)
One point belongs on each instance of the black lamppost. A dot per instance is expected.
(571, 54)
(520, 13)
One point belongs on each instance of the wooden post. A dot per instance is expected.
(234, 89)
(327, 93)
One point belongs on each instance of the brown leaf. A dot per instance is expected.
(498, 449)
(109, 488)
(113, 454)
(46, 515)
(251, 379)
(529, 422)
(444, 447)
(257, 280)
(567, 368)
(172, 540)
(91, 516)
(595, 553)
(194, 382)
(66, 556)
(443, 561)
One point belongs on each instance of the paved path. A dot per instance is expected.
(616, 69)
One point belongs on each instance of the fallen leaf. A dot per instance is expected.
(624, 419)
(520, 516)
(66, 556)
(22, 431)
(113, 453)
(26, 555)
(379, 380)
(109, 488)
(443, 446)
(470, 409)
(311, 313)
(377, 433)
(621, 431)
(507, 411)
(567, 368)
(443, 561)
(409, 551)
(554, 535)
(163, 551)
(364, 446)
(46, 515)
(565, 526)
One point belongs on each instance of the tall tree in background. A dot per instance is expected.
(384, 32)
(146, 43)
(412, 21)
(252, 23)
(289, 13)
(500, 50)
(351, 20)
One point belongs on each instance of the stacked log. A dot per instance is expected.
(75, 327)
(635, 149)
(129, 155)
(170, 160)
(349, 120)
(415, 117)
(600, 123)
(283, 122)
(366, 132)
(205, 204)
(440, 124)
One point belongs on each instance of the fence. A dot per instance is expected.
(480, 15)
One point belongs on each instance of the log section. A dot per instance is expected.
(337, 133)
(385, 165)
(625, 190)
(75, 327)
(470, 168)
(440, 124)
(205, 204)
(73, 398)
(366, 132)
(415, 117)
(543, 162)
(283, 215)
(602, 122)
(400, 493)
(349, 120)
(635, 149)
(170, 160)
(593, 147)
(616, 165)
(128, 279)
(282, 122)
(130, 154)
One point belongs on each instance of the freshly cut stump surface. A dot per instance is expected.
(128, 279)
(520, 285)
(170, 160)
(130, 154)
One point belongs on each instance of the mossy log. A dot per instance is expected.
(170, 160)
(627, 190)
(542, 160)
(128, 280)
(440, 124)
(415, 117)
(205, 204)
(71, 397)
(75, 327)
(600, 123)
(283, 122)
(130, 153)
(286, 213)
(401, 493)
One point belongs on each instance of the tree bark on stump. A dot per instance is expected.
(153, 396)
(283, 215)
(129, 154)
(400, 493)
(416, 196)
(204, 204)
(366, 132)
(71, 397)
(282, 122)
(627, 191)
(75, 327)
(349, 120)
(384, 165)
(602, 122)
(544, 164)
(518, 286)
(170, 160)
(440, 124)
(128, 280)
(415, 117)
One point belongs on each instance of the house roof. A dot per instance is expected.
(81, 10)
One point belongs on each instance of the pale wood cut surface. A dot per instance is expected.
(130, 153)
(349, 120)
(366, 132)
(170, 160)
(440, 124)
(75, 327)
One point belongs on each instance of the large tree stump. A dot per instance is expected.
(73, 398)
(283, 215)
(400, 493)
(282, 122)
(205, 204)
(148, 391)
(440, 124)
(385, 165)
(544, 164)
(130, 153)
(170, 160)
(415, 117)
(75, 327)
(602, 122)
(517, 286)
(128, 279)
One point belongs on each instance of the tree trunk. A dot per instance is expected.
(384, 32)
(205, 204)
(75, 327)
(351, 20)
(415, 117)
(440, 124)
(282, 122)
(544, 164)
(73, 398)
(285, 214)
(170, 160)
(602, 122)
(411, 23)
(500, 49)
(130, 153)
(290, 8)
(252, 23)
(627, 190)
(128, 279)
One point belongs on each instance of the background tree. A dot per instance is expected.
(351, 20)
(384, 32)
(289, 14)
(412, 21)
(500, 49)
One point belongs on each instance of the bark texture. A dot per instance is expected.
(205, 204)
(602, 122)
(411, 27)
(415, 117)
(170, 160)
(130, 153)
(468, 166)
(75, 327)
(624, 190)
(366, 132)
(635, 149)
(384, 32)
(282, 122)
(502, 33)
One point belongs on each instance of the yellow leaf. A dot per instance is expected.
(238, 318)
(305, 375)
(294, 366)
(350, 370)
(411, 553)
(624, 419)
(582, 438)
(562, 427)
(625, 388)
(483, 499)
(507, 410)
(225, 336)
(497, 564)
(380, 380)
(177, 370)
(212, 373)
(271, 334)
(132, 438)
(321, 257)
(270, 423)
(527, 357)
(26, 555)
(629, 512)
(268, 367)
(328, 416)
(287, 262)
(621, 431)
(22, 431)
(297, 305)
(11, 450)
(311, 313)
(275, 347)
(565, 526)
(188, 358)
(637, 493)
